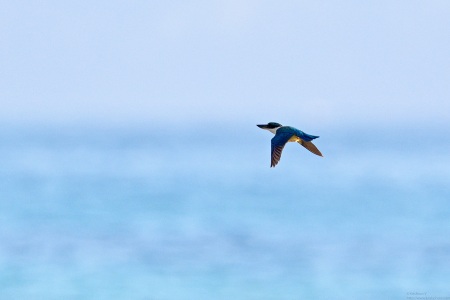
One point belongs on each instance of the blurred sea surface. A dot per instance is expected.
(197, 213)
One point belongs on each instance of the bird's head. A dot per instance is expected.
(271, 126)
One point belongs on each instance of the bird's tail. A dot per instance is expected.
(311, 147)
(309, 137)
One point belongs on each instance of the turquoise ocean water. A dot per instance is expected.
(174, 214)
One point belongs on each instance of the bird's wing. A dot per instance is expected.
(278, 142)
(310, 146)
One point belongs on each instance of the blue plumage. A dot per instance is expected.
(294, 131)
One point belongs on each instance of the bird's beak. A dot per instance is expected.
(262, 126)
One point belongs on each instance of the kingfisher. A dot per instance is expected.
(284, 134)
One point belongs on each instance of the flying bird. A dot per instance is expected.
(284, 134)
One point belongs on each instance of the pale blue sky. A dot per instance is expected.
(320, 63)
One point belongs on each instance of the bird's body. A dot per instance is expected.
(285, 134)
